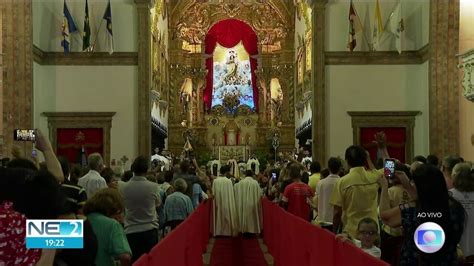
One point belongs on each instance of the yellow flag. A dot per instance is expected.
(378, 27)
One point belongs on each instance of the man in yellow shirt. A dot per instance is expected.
(355, 195)
(315, 176)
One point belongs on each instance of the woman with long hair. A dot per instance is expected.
(430, 198)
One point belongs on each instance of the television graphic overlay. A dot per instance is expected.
(429, 237)
(51, 234)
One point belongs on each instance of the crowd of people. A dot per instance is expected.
(126, 213)
(356, 199)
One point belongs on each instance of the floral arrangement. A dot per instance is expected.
(231, 102)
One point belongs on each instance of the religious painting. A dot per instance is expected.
(232, 80)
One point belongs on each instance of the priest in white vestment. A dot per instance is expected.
(234, 169)
(247, 199)
(225, 221)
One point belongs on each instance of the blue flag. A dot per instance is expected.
(68, 27)
(86, 38)
(108, 20)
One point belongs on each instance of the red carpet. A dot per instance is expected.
(237, 251)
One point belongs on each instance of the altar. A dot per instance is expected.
(235, 98)
(237, 152)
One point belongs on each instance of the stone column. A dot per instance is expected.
(443, 77)
(144, 77)
(17, 32)
(318, 31)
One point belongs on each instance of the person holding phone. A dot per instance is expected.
(355, 195)
(429, 194)
(391, 237)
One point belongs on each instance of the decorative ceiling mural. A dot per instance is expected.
(272, 20)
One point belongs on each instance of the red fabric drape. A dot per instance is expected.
(295, 242)
(185, 244)
(70, 141)
(396, 139)
(229, 33)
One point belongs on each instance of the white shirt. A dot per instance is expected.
(467, 239)
(324, 190)
(92, 182)
(374, 251)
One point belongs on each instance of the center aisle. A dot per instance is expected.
(237, 251)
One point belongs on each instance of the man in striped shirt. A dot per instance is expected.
(76, 196)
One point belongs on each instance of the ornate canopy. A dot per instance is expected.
(191, 19)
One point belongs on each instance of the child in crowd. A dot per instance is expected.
(368, 234)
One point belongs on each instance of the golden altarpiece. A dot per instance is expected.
(179, 79)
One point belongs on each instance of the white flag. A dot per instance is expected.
(397, 27)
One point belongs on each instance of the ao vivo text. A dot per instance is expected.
(429, 215)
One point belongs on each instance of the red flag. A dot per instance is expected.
(352, 41)
(355, 26)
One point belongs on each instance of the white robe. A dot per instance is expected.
(256, 163)
(211, 165)
(234, 169)
(225, 221)
(249, 211)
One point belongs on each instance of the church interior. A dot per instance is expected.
(225, 80)
(304, 85)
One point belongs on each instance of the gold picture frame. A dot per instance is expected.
(300, 65)
(308, 46)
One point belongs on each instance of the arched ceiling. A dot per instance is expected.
(272, 20)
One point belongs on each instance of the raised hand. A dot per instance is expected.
(42, 143)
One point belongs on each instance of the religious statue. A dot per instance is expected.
(232, 76)
(184, 99)
(247, 139)
(277, 104)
